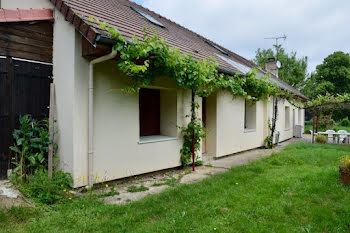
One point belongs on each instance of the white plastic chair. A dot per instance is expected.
(331, 133)
(342, 135)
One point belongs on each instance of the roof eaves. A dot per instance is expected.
(84, 28)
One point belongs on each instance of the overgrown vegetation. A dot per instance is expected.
(30, 174)
(296, 190)
(31, 143)
(45, 190)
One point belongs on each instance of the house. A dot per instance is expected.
(135, 134)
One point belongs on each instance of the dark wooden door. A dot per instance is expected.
(24, 89)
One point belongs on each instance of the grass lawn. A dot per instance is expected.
(296, 190)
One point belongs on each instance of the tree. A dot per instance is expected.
(293, 70)
(332, 76)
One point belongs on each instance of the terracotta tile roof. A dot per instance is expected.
(20, 15)
(120, 15)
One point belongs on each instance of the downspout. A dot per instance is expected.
(110, 56)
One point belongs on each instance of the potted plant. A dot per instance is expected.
(344, 169)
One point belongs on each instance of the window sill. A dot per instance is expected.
(249, 130)
(155, 138)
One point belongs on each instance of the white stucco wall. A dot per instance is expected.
(26, 4)
(226, 133)
(118, 150)
(285, 133)
(231, 135)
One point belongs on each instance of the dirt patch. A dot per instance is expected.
(155, 183)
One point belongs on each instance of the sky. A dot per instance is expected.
(314, 28)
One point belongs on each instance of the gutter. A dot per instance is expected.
(110, 56)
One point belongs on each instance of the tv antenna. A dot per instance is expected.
(284, 37)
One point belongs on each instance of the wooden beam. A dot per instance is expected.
(24, 55)
(90, 51)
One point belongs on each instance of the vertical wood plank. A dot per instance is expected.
(51, 128)
(10, 92)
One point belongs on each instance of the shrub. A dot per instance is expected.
(321, 139)
(30, 147)
(345, 122)
(45, 190)
(344, 164)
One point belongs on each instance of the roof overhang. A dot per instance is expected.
(23, 15)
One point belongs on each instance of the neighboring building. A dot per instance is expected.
(136, 134)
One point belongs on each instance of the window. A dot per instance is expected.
(148, 17)
(299, 116)
(216, 47)
(242, 68)
(287, 117)
(249, 116)
(157, 115)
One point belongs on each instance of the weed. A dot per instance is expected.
(135, 189)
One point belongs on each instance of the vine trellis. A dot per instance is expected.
(150, 58)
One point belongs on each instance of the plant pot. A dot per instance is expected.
(345, 176)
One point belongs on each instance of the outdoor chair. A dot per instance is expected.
(342, 135)
(331, 133)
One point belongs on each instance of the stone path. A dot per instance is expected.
(210, 167)
(10, 196)
(243, 158)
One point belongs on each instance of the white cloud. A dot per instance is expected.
(315, 28)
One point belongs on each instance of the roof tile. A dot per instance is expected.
(119, 14)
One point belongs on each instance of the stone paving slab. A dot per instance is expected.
(243, 158)
(10, 196)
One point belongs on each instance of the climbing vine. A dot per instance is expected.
(329, 99)
(146, 59)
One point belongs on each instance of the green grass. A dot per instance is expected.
(296, 190)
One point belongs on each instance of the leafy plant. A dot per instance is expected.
(345, 122)
(268, 142)
(321, 139)
(135, 189)
(344, 163)
(45, 190)
(30, 147)
(193, 128)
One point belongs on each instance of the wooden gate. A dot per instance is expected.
(24, 89)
